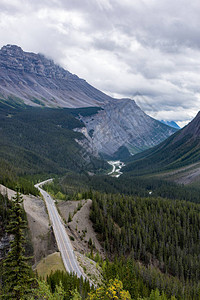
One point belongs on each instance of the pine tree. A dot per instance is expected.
(69, 218)
(76, 295)
(17, 272)
(43, 291)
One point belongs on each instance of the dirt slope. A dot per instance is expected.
(38, 222)
(80, 228)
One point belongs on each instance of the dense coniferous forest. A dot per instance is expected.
(70, 283)
(77, 185)
(140, 280)
(158, 232)
(5, 206)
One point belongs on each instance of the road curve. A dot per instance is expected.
(62, 239)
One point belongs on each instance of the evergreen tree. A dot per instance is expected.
(43, 291)
(76, 295)
(155, 295)
(17, 272)
(69, 218)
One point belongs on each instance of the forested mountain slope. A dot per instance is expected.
(180, 149)
(35, 140)
(159, 233)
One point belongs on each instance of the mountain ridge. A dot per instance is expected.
(120, 128)
(180, 149)
(38, 81)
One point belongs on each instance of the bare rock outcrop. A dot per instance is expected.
(122, 124)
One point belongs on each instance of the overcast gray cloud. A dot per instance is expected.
(148, 50)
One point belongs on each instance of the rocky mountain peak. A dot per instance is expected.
(13, 57)
(194, 126)
(38, 81)
(11, 50)
(192, 129)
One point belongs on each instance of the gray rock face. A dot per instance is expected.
(4, 245)
(38, 81)
(123, 123)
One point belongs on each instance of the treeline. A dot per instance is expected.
(5, 206)
(140, 281)
(157, 232)
(75, 288)
(9, 179)
(70, 282)
(77, 185)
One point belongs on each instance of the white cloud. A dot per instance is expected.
(126, 48)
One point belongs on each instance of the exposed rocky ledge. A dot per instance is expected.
(13, 57)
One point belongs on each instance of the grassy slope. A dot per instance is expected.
(51, 263)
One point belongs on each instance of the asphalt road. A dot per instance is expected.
(63, 241)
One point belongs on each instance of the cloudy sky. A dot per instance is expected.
(148, 50)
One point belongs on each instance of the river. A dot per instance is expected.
(117, 165)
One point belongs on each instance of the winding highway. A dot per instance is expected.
(62, 239)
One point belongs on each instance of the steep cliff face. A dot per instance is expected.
(121, 123)
(38, 81)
